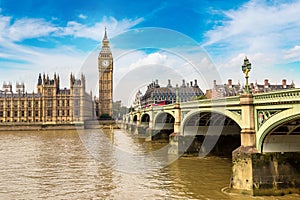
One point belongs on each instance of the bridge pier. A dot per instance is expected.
(242, 168)
(265, 174)
(133, 128)
(138, 123)
(258, 173)
(130, 127)
(158, 134)
(141, 130)
(182, 144)
(126, 125)
(149, 134)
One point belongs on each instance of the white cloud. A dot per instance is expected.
(25, 61)
(31, 61)
(267, 32)
(163, 63)
(131, 62)
(82, 16)
(95, 31)
(134, 70)
(293, 53)
(24, 28)
(231, 69)
(257, 18)
(233, 62)
(258, 26)
(151, 59)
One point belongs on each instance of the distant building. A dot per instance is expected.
(229, 89)
(267, 87)
(50, 105)
(155, 94)
(224, 90)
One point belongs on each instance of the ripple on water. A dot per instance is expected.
(95, 165)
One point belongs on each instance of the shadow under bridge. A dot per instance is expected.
(163, 126)
(209, 133)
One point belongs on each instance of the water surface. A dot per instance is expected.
(88, 164)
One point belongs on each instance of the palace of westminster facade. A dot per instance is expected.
(52, 105)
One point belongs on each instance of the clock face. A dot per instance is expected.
(105, 63)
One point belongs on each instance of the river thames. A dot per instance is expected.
(90, 164)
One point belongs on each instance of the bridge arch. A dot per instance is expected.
(235, 117)
(145, 118)
(160, 115)
(212, 131)
(264, 134)
(163, 125)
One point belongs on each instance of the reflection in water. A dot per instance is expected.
(90, 164)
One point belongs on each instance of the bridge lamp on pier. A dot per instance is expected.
(246, 67)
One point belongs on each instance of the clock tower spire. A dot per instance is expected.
(105, 75)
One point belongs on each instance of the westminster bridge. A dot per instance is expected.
(261, 131)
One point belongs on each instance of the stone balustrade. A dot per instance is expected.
(277, 97)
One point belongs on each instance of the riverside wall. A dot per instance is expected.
(93, 124)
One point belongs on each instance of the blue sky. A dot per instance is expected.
(59, 35)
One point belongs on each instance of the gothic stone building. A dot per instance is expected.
(50, 105)
(155, 94)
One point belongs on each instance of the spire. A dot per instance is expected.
(105, 35)
(40, 79)
(105, 41)
(105, 44)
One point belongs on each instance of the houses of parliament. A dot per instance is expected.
(53, 105)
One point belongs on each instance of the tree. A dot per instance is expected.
(119, 110)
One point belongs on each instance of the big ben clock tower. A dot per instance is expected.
(105, 69)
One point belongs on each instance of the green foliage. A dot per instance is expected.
(119, 110)
(131, 109)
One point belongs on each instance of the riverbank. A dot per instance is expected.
(37, 127)
(92, 124)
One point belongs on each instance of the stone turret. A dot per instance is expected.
(169, 83)
(7, 87)
(40, 81)
(196, 85)
(183, 83)
(20, 87)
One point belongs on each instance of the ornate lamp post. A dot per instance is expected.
(246, 67)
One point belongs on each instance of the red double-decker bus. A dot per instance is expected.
(162, 103)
